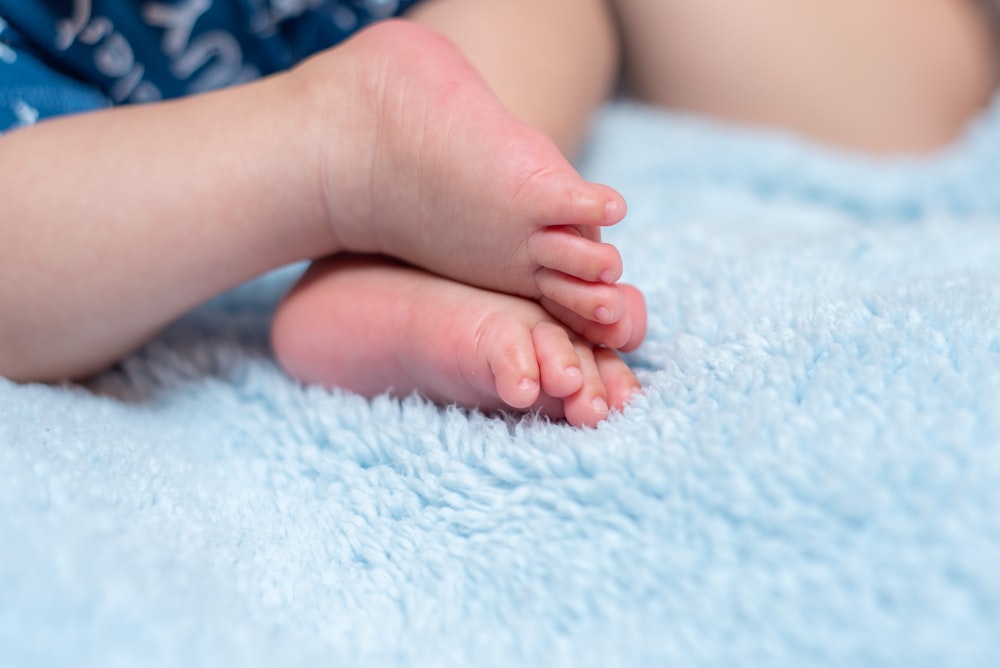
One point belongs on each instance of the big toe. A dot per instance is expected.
(579, 202)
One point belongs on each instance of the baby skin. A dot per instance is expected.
(456, 184)
(499, 234)
(451, 342)
(389, 144)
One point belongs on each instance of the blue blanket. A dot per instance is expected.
(812, 476)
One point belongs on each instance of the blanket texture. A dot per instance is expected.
(811, 478)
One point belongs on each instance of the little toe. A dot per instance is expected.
(589, 405)
(625, 335)
(567, 250)
(561, 375)
(635, 306)
(599, 302)
(620, 383)
(615, 335)
(515, 369)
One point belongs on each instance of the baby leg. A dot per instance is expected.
(371, 326)
(877, 75)
(420, 161)
(551, 63)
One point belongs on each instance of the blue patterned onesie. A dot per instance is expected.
(65, 56)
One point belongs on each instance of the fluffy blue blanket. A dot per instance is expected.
(811, 478)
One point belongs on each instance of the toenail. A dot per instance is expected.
(600, 406)
(603, 314)
(574, 371)
(528, 385)
(611, 211)
(608, 276)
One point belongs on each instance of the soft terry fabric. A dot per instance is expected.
(811, 478)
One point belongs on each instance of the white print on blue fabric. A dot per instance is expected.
(113, 55)
(7, 54)
(381, 9)
(188, 55)
(215, 54)
(26, 114)
(344, 18)
(269, 13)
(347, 20)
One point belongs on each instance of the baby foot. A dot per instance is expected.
(421, 162)
(371, 326)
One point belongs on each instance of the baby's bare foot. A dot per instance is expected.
(423, 163)
(371, 326)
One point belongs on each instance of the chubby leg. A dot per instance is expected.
(876, 75)
(370, 325)
(551, 63)
(451, 180)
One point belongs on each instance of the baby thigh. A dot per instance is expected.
(880, 75)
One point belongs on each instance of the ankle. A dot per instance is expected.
(333, 90)
(344, 89)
